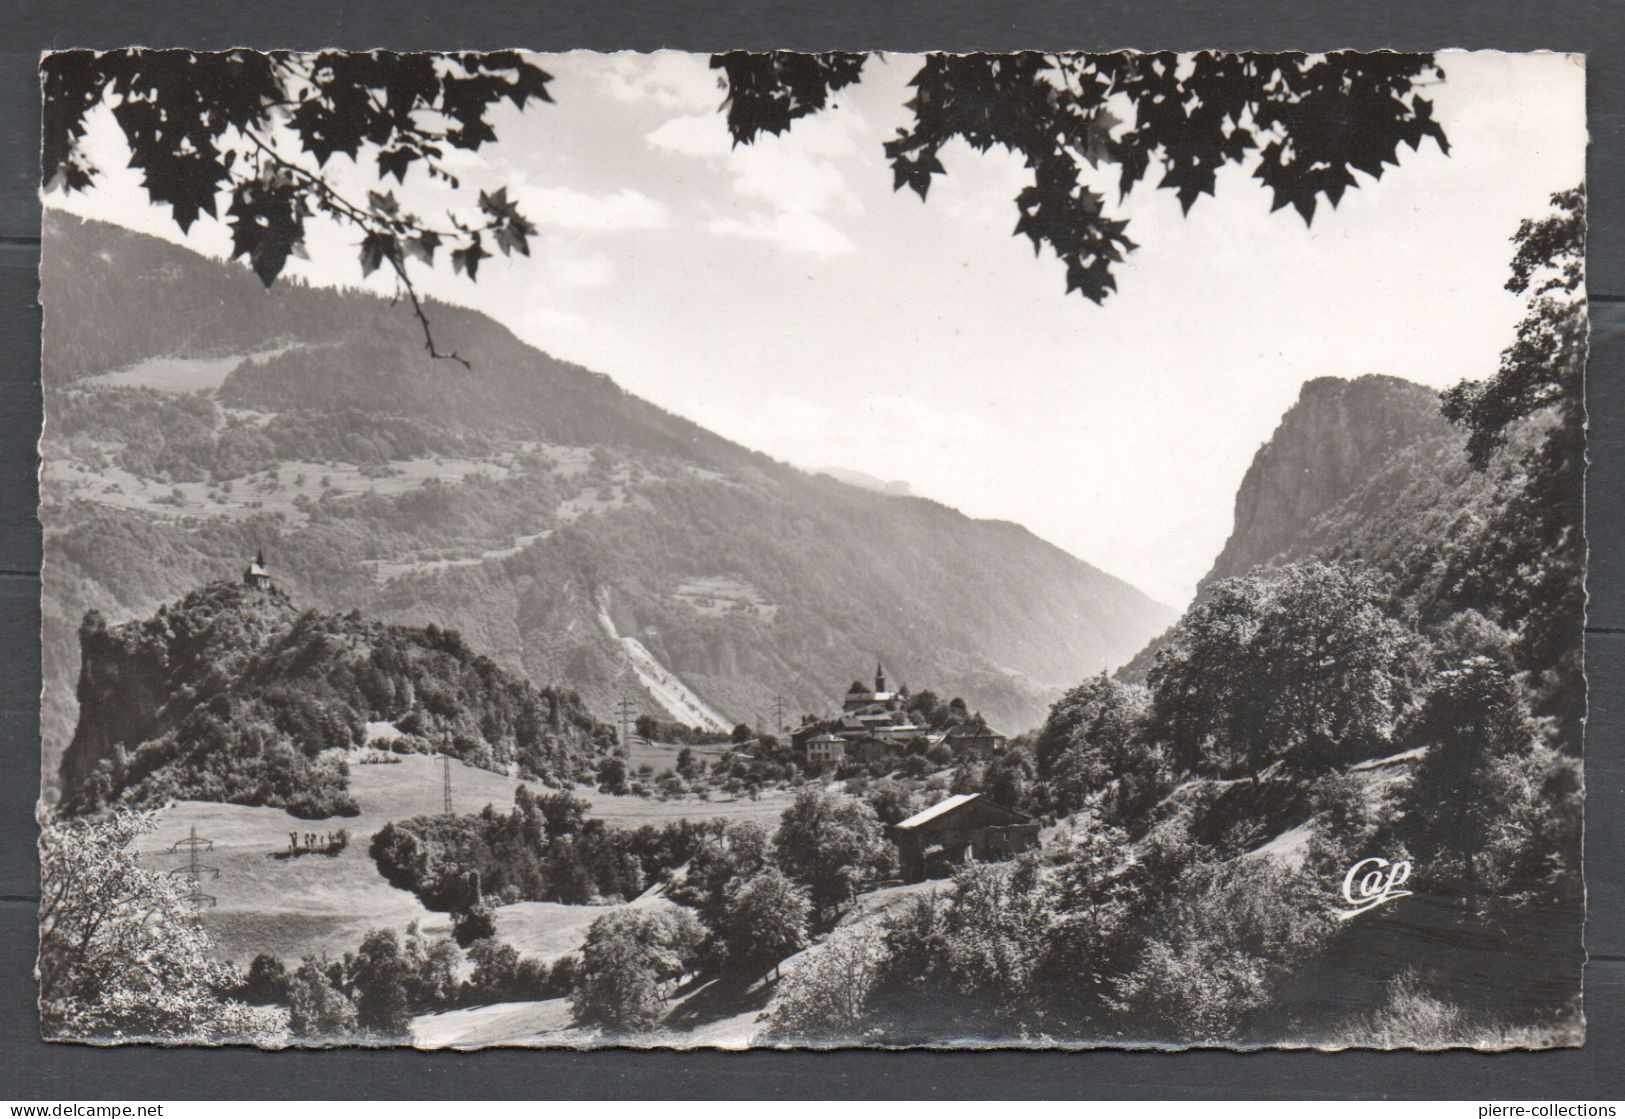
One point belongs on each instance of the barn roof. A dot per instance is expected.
(938, 809)
(957, 801)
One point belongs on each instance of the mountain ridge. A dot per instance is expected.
(1332, 440)
(505, 502)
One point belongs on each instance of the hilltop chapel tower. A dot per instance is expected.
(257, 575)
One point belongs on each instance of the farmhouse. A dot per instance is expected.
(961, 829)
(975, 738)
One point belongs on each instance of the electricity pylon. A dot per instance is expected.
(194, 872)
(624, 711)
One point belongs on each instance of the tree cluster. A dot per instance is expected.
(376, 990)
(544, 849)
(747, 899)
(122, 956)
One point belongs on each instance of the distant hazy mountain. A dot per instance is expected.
(576, 533)
(866, 481)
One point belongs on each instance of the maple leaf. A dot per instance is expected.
(422, 247)
(377, 248)
(468, 260)
(267, 225)
(395, 161)
(497, 205)
(511, 237)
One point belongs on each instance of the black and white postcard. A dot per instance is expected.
(816, 550)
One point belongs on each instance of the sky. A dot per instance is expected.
(785, 296)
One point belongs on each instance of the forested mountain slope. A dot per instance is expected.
(576, 533)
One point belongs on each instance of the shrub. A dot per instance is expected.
(380, 975)
(1226, 937)
(474, 925)
(1408, 1017)
(266, 982)
(496, 967)
(831, 844)
(823, 998)
(612, 776)
(561, 978)
(317, 1011)
(627, 956)
(766, 920)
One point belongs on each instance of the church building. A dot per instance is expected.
(257, 575)
(858, 698)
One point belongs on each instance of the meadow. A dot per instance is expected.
(293, 907)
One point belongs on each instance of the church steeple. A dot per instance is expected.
(880, 677)
(257, 574)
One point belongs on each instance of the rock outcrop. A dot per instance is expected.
(1354, 472)
(1335, 439)
(234, 694)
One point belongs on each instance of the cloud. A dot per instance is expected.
(789, 179)
(566, 208)
(703, 135)
(798, 231)
(580, 273)
(669, 79)
(787, 189)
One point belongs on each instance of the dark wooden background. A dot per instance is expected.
(30, 1070)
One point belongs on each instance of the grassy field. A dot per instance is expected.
(503, 1023)
(698, 1017)
(310, 904)
(290, 907)
(663, 755)
(630, 811)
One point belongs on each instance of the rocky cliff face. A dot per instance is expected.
(1358, 470)
(137, 681)
(1337, 437)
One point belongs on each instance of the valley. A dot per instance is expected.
(508, 502)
